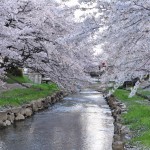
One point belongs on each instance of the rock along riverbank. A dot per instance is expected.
(121, 132)
(9, 116)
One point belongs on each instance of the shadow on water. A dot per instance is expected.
(80, 122)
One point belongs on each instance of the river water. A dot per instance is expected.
(80, 122)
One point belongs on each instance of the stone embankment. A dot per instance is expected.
(121, 132)
(9, 116)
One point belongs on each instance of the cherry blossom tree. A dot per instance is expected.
(58, 39)
(126, 40)
(41, 36)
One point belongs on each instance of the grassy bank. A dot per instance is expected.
(17, 79)
(137, 117)
(18, 97)
(144, 92)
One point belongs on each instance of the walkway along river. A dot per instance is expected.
(80, 122)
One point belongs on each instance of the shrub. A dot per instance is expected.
(15, 71)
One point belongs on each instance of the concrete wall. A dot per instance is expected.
(35, 77)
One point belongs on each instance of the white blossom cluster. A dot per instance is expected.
(45, 36)
(126, 40)
(58, 38)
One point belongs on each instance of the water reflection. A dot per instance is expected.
(81, 122)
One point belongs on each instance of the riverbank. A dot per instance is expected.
(81, 121)
(18, 104)
(19, 96)
(132, 127)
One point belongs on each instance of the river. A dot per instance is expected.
(81, 121)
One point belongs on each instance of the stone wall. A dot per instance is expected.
(9, 116)
(121, 132)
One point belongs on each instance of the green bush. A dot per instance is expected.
(15, 71)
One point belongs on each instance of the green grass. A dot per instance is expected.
(137, 117)
(14, 79)
(144, 92)
(18, 97)
(123, 95)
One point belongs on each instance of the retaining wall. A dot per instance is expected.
(121, 132)
(9, 116)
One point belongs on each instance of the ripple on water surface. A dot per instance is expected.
(81, 122)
